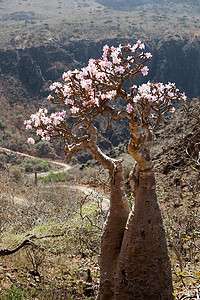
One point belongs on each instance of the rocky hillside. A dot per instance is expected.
(25, 76)
(35, 67)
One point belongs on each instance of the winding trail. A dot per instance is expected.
(65, 166)
(86, 190)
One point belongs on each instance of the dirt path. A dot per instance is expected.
(63, 165)
(92, 194)
(87, 190)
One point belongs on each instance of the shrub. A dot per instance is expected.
(58, 177)
(16, 174)
(44, 148)
(37, 165)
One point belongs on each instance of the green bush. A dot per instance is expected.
(44, 148)
(57, 177)
(43, 166)
(37, 165)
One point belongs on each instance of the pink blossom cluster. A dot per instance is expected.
(44, 125)
(114, 60)
(159, 92)
(152, 95)
(92, 90)
(79, 89)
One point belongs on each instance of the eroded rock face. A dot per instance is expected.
(35, 66)
(30, 73)
(175, 61)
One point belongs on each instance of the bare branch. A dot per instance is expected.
(28, 242)
(25, 243)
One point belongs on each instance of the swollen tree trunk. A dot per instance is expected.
(115, 225)
(143, 267)
(113, 234)
(143, 271)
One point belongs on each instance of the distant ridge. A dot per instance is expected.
(131, 4)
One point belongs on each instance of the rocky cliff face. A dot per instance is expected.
(178, 61)
(35, 68)
(25, 76)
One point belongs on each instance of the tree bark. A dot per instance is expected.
(143, 267)
(113, 235)
(144, 271)
(115, 225)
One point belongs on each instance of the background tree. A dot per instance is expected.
(134, 262)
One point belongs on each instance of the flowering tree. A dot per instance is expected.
(134, 262)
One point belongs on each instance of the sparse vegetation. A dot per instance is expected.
(65, 274)
(61, 222)
(38, 165)
(64, 232)
(57, 177)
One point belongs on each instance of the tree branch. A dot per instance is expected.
(25, 243)
(136, 145)
(28, 242)
(106, 161)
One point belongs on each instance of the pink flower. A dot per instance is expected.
(136, 98)
(91, 62)
(120, 69)
(96, 101)
(103, 96)
(170, 94)
(115, 58)
(74, 110)
(172, 110)
(39, 132)
(63, 113)
(31, 141)
(183, 97)
(50, 98)
(28, 126)
(110, 94)
(142, 46)
(55, 85)
(129, 108)
(84, 72)
(144, 71)
(148, 55)
(130, 59)
(128, 46)
(84, 103)
(105, 48)
(69, 101)
(66, 75)
(133, 49)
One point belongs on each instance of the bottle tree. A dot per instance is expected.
(134, 261)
